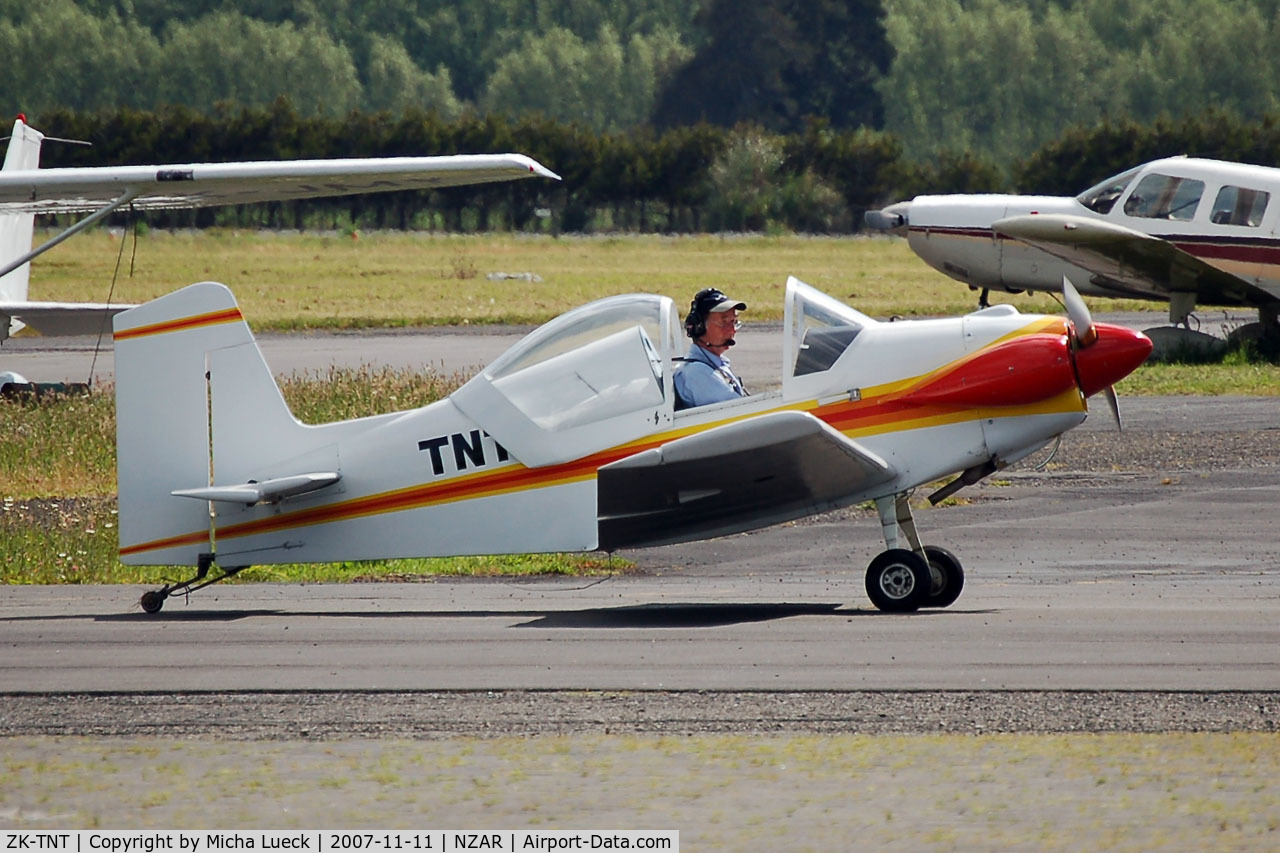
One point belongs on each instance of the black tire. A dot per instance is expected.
(152, 601)
(946, 575)
(898, 581)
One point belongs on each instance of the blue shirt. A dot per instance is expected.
(704, 378)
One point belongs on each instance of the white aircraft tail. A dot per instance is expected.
(16, 229)
(192, 388)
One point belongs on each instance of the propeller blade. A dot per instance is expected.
(1114, 401)
(1079, 314)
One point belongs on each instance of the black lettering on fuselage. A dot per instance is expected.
(433, 445)
(469, 451)
(464, 449)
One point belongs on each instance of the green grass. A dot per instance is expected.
(1236, 374)
(58, 446)
(62, 540)
(343, 393)
(394, 279)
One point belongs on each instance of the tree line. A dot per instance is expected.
(694, 178)
(1004, 77)
(606, 65)
(590, 61)
(998, 78)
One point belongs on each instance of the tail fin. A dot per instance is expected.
(191, 387)
(16, 229)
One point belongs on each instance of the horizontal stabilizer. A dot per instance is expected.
(63, 318)
(267, 491)
(736, 477)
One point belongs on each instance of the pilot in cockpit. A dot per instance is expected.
(704, 375)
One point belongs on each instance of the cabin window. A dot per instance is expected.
(1240, 206)
(1165, 197)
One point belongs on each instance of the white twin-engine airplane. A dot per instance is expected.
(27, 190)
(570, 441)
(1182, 230)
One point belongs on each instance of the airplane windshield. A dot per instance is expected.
(1101, 197)
(822, 329)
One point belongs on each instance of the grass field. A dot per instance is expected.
(294, 281)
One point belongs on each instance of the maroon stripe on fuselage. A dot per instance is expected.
(1249, 250)
(953, 231)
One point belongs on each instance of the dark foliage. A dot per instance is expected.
(777, 62)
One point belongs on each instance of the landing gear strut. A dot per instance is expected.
(908, 575)
(153, 600)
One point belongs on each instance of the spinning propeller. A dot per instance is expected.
(1102, 354)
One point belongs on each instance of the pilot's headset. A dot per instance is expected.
(695, 324)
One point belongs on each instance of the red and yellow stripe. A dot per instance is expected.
(212, 318)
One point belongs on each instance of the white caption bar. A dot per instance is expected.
(341, 841)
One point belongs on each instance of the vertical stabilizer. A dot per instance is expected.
(164, 351)
(16, 228)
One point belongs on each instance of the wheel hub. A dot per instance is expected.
(897, 581)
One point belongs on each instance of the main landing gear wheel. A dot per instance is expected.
(947, 577)
(898, 581)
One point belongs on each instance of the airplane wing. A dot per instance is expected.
(61, 318)
(77, 190)
(736, 477)
(1142, 264)
(101, 190)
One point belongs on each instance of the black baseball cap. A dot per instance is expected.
(712, 301)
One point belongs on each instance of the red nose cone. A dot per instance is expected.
(1114, 355)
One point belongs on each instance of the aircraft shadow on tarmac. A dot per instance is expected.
(691, 615)
(676, 615)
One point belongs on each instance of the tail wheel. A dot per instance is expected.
(946, 577)
(152, 601)
(898, 581)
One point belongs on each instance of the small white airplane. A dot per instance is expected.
(27, 190)
(571, 440)
(1182, 230)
